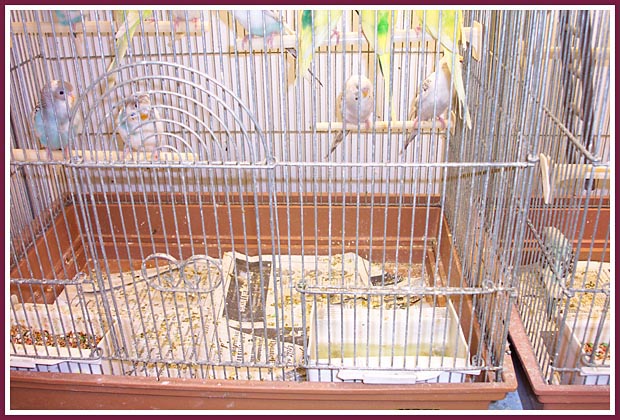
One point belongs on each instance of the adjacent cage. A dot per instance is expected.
(564, 330)
(198, 231)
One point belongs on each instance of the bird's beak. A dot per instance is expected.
(144, 116)
(365, 92)
(71, 99)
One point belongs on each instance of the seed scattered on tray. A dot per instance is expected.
(23, 335)
(601, 351)
(585, 300)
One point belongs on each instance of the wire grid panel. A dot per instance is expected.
(564, 289)
(295, 242)
(200, 119)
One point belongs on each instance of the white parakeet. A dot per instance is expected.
(139, 124)
(449, 34)
(127, 22)
(358, 96)
(51, 116)
(315, 28)
(376, 26)
(432, 101)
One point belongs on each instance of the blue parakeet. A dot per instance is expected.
(51, 116)
(261, 23)
(67, 17)
(265, 24)
(71, 20)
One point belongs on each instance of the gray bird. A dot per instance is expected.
(433, 100)
(359, 102)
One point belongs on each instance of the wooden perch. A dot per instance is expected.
(567, 171)
(544, 176)
(473, 36)
(42, 155)
(563, 172)
(349, 38)
(164, 26)
(382, 126)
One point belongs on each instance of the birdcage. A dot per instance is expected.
(564, 329)
(202, 234)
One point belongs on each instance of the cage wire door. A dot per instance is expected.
(221, 211)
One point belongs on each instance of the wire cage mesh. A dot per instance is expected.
(565, 281)
(239, 247)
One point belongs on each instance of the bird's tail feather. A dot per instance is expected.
(287, 29)
(293, 54)
(384, 66)
(409, 140)
(337, 140)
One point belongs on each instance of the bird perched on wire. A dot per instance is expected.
(433, 100)
(265, 24)
(139, 125)
(51, 117)
(359, 101)
(558, 263)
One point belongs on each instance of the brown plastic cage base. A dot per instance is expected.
(39, 390)
(553, 397)
(72, 391)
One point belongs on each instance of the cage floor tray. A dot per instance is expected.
(54, 338)
(581, 325)
(124, 241)
(417, 344)
(553, 396)
(575, 348)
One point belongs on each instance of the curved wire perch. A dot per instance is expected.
(202, 117)
(178, 278)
